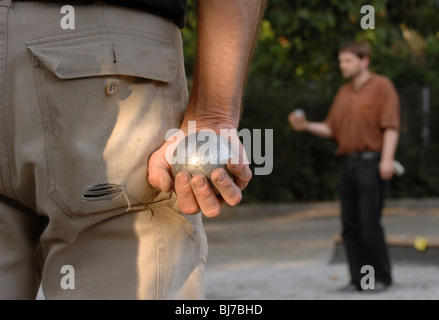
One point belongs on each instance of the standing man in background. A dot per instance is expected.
(364, 119)
(88, 205)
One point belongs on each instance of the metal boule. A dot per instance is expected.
(299, 113)
(202, 153)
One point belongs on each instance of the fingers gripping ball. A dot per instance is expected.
(202, 153)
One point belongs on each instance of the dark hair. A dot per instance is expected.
(361, 49)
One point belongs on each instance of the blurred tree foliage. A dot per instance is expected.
(295, 66)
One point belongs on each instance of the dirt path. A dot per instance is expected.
(282, 251)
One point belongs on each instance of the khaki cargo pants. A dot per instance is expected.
(81, 111)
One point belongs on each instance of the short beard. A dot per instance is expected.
(353, 75)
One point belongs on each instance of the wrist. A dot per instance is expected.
(195, 125)
(211, 121)
(306, 126)
(387, 159)
(213, 111)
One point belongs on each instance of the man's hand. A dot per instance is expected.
(387, 169)
(390, 142)
(194, 194)
(227, 33)
(298, 121)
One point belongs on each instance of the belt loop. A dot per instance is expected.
(5, 3)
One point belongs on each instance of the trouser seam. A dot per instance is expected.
(5, 172)
(159, 255)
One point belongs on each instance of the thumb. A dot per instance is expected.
(159, 171)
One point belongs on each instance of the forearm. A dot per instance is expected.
(227, 32)
(320, 129)
(390, 143)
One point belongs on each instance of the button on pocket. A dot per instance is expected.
(111, 87)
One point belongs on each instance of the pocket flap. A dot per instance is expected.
(107, 52)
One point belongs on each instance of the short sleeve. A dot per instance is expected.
(333, 112)
(390, 108)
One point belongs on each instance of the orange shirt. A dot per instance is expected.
(359, 118)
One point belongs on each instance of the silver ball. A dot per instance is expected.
(299, 113)
(201, 153)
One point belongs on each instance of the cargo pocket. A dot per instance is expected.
(107, 98)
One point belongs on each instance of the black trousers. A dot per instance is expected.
(362, 200)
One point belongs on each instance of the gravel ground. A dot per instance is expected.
(286, 251)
